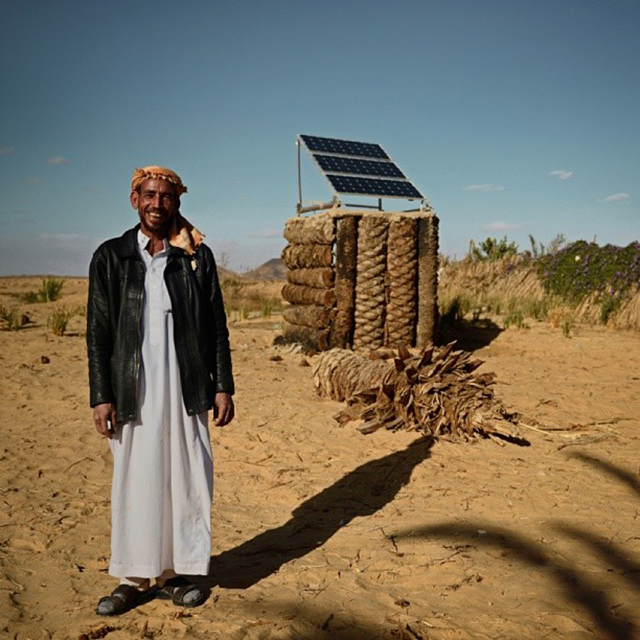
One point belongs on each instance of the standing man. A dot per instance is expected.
(159, 359)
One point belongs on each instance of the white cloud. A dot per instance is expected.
(58, 160)
(266, 233)
(561, 174)
(5, 151)
(499, 225)
(484, 188)
(617, 197)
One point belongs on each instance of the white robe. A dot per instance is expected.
(163, 465)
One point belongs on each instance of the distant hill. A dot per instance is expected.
(226, 274)
(273, 269)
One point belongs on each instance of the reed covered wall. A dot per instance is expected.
(361, 280)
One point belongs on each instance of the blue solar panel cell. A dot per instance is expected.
(344, 147)
(337, 164)
(373, 187)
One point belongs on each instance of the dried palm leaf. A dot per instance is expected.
(436, 393)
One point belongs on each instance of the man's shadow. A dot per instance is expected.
(361, 492)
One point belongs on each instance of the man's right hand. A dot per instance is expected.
(105, 419)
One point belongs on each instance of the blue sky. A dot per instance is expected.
(513, 117)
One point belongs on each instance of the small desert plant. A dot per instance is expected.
(50, 290)
(454, 310)
(493, 305)
(538, 249)
(9, 317)
(241, 313)
(492, 249)
(231, 289)
(515, 319)
(59, 320)
(608, 306)
(31, 296)
(223, 259)
(562, 318)
(538, 309)
(266, 307)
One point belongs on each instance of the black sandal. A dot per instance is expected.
(122, 599)
(182, 592)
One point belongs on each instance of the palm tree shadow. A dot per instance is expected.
(610, 553)
(626, 477)
(361, 492)
(578, 587)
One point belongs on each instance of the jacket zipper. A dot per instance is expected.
(138, 350)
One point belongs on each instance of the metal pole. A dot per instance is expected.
(299, 179)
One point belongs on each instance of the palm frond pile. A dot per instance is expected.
(438, 392)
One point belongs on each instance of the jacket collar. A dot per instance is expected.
(128, 245)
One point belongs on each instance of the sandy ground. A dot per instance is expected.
(320, 532)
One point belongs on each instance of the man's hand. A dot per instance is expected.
(223, 409)
(105, 419)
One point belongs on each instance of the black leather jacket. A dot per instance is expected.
(116, 289)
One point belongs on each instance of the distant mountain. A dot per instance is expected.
(273, 269)
(226, 274)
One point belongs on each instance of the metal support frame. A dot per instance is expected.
(299, 179)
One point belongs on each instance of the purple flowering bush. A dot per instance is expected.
(584, 269)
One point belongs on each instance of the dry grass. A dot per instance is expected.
(251, 299)
(511, 290)
(58, 320)
(9, 317)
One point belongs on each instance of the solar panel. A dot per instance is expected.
(344, 147)
(359, 168)
(339, 164)
(356, 186)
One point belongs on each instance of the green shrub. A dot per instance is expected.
(9, 317)
(608, 306)
(515, 319)
(59, 319)
(31, 297)
(50, 291)
(492, 249)
(267, 306)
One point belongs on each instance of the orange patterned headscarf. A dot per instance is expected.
(182, 233)
(154, 172)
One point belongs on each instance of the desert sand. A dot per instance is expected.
(321, 532)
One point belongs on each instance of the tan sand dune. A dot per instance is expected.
(320, 532)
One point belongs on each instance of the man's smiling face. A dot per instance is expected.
(157, 205)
